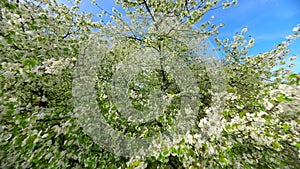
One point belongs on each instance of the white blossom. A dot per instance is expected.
(13, 99)
(296, 29)
(244, 30)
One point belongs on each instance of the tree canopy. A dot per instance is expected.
(143, 89)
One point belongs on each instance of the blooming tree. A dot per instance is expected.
(182, 113)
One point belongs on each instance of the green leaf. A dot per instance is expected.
(161, 158)
(136, 163)
(166, 152)
(30, 63)
(10, 6)
(281, 98)
(292, 76)
(9, 39)
(174, 151)
(286, 127)
(297, 145)
(41, 39)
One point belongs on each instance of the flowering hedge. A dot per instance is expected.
(43, 42)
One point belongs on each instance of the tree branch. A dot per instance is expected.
(149, 11)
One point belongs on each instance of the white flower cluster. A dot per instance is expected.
(297, 28)
(291, 106)
(55, 66)
(291, 37)
(255, 128)
(9, 69)
(213, 125)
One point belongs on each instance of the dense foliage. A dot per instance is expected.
(246, 111)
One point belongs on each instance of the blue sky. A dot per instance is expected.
(268, 21)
